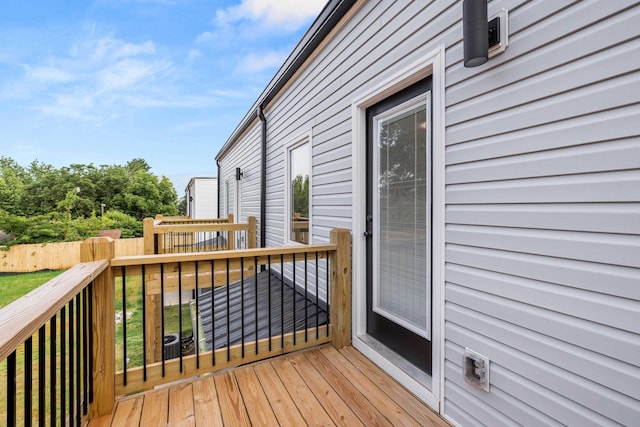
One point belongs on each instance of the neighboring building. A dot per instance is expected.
(201, 195)
(495, 211)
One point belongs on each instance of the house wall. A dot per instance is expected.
(542, 255)
(543, 252)
(204, 192)
(246, 156)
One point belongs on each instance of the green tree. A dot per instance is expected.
(130, 226)
(40, 203)
(168, 197)
(12, 182)
(182, 205)
(300, 186)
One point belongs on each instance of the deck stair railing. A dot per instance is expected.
(183, 235)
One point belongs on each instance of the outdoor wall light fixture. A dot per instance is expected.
(239, 174)
(482, 37)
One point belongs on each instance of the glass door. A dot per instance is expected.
(399, 223)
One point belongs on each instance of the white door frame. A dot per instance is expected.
(408, 72)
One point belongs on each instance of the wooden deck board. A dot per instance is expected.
(104, 421)
(283, 406)
(205, 402)
(392, 388)
(255, 400)
(322, 386)
(181, 412)
(362, 407)
(331, 400)
(156, 407)
(128, 411)
(230, 399)
(389, 408)
(309, 406)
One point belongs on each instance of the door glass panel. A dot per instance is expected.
(401, 290)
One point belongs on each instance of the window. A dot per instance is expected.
(298, 185)
(227, 202)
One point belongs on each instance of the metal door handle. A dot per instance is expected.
(368, 234)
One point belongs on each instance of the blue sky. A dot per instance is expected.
(106, 81)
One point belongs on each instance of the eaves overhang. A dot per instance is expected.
(331, 15)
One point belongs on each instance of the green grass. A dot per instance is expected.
(14, 286)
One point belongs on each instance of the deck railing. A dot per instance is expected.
(183, 235)
(90, 349)
(48, 351)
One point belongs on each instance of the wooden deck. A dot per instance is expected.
(321, 386)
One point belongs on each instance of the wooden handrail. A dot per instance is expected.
(188, 220)
(193, 228)
(190, 234)
(215, 255)
(23, 317)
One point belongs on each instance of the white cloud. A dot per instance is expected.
(205, 37)
(287, 13)
(96, 80)
(165, 99)
(129, 72)
(48, 74)
(109, 48)
(194, 54)
(258, 62)
(74, 105)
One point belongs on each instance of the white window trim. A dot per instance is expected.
(227, 193)
(299, 140)
(408, 72)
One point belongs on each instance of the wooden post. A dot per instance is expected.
(147, 233)
(153, 306)
(153, 324)
(340, 288)
(103, 327)
(252, 236)
(230, 218)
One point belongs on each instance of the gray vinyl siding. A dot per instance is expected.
(542, 257)
(246, 156)
(321, 98)
(543, 220)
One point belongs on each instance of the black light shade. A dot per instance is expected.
(238, 174)
(475, 31)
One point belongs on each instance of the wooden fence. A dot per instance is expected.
(64, 255)
(56, 256)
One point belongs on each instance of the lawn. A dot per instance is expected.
(14, 286)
